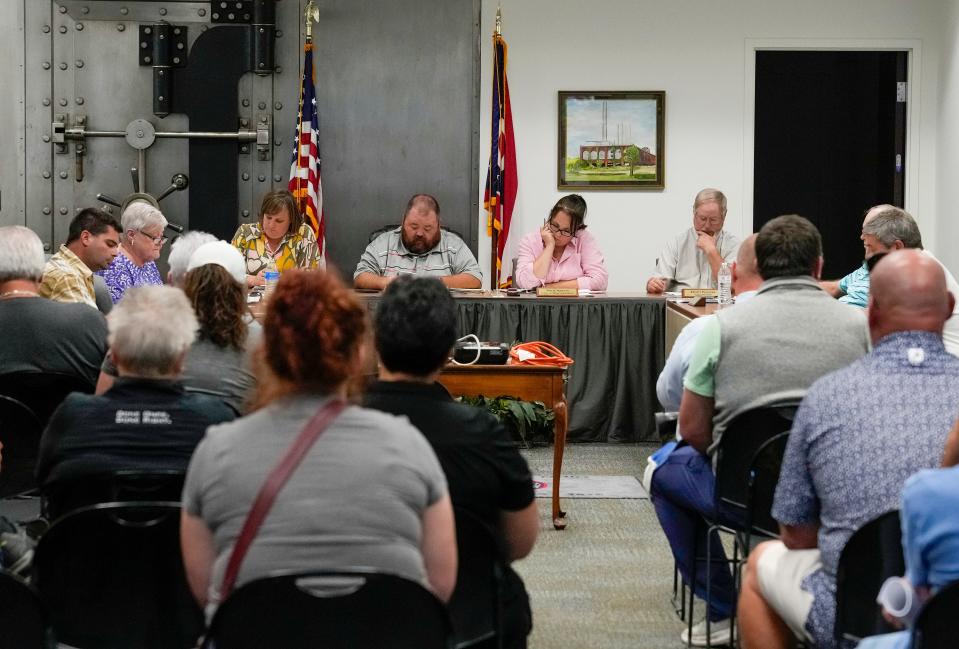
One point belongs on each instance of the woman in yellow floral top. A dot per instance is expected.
(281, 236)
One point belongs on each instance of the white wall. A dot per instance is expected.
(695, 50)
(948, 140)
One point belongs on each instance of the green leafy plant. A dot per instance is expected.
(529, 423)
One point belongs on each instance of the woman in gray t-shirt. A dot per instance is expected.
(370, 492)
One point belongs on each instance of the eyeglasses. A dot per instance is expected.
(555, 229)
(157, 241)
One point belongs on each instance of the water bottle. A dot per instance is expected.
(272, 276)
(725, 283)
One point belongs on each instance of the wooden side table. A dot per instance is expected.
(528, 382)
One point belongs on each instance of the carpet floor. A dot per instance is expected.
(606, 580)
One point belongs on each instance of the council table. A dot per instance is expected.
(616, 340)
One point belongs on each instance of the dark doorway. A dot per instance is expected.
(829, 142)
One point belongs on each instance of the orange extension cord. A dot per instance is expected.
(545, 354)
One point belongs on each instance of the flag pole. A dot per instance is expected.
(494, 204)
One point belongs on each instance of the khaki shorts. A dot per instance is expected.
(780, 573)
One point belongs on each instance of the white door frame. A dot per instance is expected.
(913, 108)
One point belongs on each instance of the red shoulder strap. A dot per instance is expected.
(271, 488)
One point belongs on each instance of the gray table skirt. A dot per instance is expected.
(617, 344)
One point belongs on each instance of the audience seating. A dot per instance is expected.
(112, 577)
(937, 626)
(333, 610)
(735, 455)
(475, 607)
(42, 391)
(22, 616)
(20, 431)
(872, 554)
(127, 486)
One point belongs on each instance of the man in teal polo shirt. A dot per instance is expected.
(854, 288)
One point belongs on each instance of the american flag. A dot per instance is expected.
(501, 180)
(305, 168)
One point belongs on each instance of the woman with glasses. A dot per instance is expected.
(280, 238)
(140, 244)
(562, 254)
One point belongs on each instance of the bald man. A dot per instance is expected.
(859, 434)
(746, 281)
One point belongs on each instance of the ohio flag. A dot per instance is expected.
(501, 180)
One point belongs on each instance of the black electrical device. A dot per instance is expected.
(489, 353)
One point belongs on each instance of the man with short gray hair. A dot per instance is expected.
(886, 229)
(692, 259)
(146, 420)
(42, 335)
(876, 238)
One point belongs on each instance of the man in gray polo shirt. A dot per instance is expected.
(418, 247)
(769, 350)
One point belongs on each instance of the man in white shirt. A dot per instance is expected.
(692, 259)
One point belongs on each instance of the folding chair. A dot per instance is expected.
(20, 431)
(112, 577)
(42, 392)
(333, 610)
(126, 486)
(22, 616)
(937, 626)
(742, 439)
(871, 555)
(475, 608)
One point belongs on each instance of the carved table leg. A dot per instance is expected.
(559, 445)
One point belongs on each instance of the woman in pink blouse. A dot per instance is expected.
(562, 254)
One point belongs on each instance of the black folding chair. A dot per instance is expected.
(937, 626)
(22, 616)
(112, 577)
(742, 439)
(333, 610)
(126, 486)
(763, 478)
(42, 392)
(475, 607)
(20, 431)
(871, 555)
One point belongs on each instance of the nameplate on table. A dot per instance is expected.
(544, 291)
(700, 292)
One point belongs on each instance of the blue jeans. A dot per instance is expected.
(682, 491)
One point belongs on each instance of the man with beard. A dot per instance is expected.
(692, 258)
(418, 247)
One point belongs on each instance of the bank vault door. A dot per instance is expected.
(160, 101)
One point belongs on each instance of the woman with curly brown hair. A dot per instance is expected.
(219, 361)
(369, 492)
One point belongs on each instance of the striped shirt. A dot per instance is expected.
(67, 279)
(387, 256)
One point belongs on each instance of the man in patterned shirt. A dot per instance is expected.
(92, 243)
(418, 247)
(859, 434)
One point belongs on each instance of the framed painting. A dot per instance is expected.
(611, 140)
